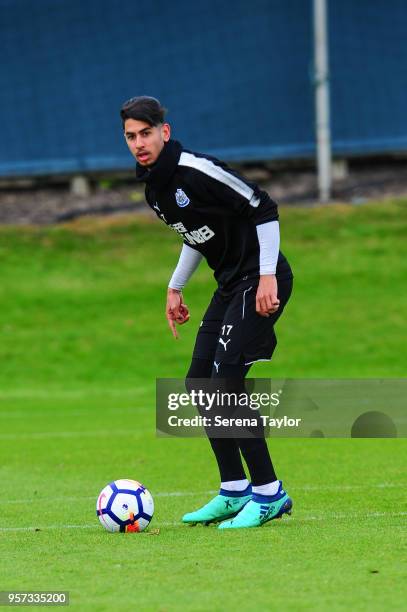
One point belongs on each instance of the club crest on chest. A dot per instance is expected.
(181, 198)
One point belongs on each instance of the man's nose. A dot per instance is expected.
(134, 143)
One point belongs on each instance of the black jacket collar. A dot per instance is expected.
(159, 174)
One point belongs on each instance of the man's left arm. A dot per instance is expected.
(268, 235)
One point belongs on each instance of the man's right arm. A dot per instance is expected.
(188, 262)
(176, 310)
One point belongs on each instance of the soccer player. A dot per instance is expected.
(233, 225)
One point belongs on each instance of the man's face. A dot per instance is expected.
(145, 141)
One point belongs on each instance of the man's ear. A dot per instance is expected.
(166, 131)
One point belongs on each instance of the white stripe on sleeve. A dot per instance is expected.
(216, 172)
(188, 262)
(269, 241)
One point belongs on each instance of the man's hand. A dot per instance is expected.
(267, 301)
(176, 311)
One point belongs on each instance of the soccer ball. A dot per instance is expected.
(125, 505)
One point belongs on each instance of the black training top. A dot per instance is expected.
(214, 210)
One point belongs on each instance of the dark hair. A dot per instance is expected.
(143, 108)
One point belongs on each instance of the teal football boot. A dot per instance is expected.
(261, 509)
(224, 506)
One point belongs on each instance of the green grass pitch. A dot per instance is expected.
(83, 337)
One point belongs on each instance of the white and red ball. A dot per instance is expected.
(125, 505)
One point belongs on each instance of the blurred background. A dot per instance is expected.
(239, 82)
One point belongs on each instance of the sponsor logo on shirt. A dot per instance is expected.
(181, 198)
(198, 236)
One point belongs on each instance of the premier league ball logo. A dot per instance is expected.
(181, 198)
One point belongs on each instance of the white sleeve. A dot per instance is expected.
(269, 241)
(188, 262)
